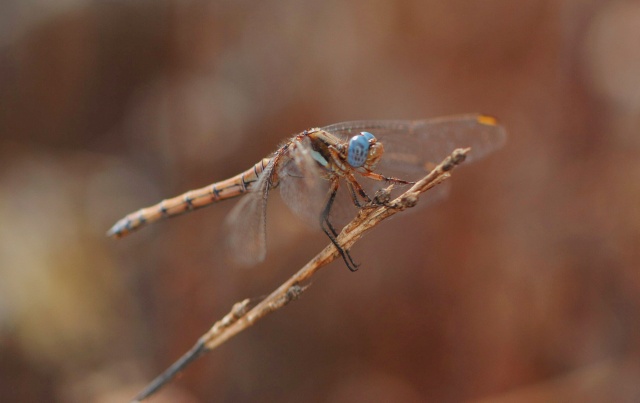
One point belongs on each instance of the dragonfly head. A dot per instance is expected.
(364, 150)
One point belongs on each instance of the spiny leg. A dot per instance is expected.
(324, 216)
(357, 190)
(330, 230)
(354, 195)
(382, 178)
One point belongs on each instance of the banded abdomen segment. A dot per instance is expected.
(191, 200)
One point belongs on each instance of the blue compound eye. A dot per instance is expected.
(368, 135)
(358, 149)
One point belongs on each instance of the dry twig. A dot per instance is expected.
(241, 317)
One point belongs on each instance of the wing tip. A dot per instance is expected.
(487, 120)
(493, 129)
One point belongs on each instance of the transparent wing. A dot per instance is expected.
(246, 223)
(303, 185)
(413, 147)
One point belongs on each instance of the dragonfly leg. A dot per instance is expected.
(354, 195)
(356, 189)
(378, 177)
(324, 216)
(330, 231)
(375, 176)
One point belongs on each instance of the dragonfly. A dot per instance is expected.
(312, 166)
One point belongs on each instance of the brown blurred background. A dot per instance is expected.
(522, 287)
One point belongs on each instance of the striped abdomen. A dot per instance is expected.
(190, 200)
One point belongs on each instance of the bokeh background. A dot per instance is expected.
(522, 287)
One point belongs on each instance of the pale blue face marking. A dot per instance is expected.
(319, 158)
(359, 149)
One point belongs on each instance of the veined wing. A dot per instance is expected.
(302, 186)
(415, 146)
(246, 223)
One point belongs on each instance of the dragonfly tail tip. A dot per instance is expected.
(117, 231)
